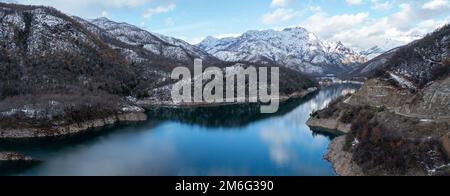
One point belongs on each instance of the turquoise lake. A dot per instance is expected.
(223, 141)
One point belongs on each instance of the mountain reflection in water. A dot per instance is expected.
(228, 140)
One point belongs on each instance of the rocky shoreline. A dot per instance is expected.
(341, 160)
(332, 126)
(123, 118)
(149, 103)
(27, 133)
(13, 161)
(388, 120)
(15, 157)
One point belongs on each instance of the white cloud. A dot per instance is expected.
(315, 9)
(105, 14)
(411, 19)
(159, 10)
(354, 2)
(361, 31)
(436, 4)
(87, 8)
(279, 15)
(282, 3)
(381, 6)
(327, 25)
(227, 35)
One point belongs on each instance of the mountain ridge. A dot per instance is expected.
(295, 48)
(63, 74)
(398, 123)
(417, 61)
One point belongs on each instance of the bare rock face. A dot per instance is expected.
(431, 102)
(436, 100)
(341, 160)
(330, 125)
(379, 93)
(23, 133)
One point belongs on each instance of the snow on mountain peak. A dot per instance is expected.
(296, 48)
(372, 52)
(141, 41)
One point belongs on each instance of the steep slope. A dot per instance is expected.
(63, 75)
(151, 55)
(43, 49)
(418, 61)
(295, 48)
(372, 52)
(154, 56)
(55, 72)
(400, 119)
(152, 46)
(374, 65)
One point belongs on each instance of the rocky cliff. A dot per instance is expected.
(399, 119)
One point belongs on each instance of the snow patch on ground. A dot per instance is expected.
(132, 109)
(402, 81)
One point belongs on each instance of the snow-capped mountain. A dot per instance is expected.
(372, 52)
(42, 49)
(141, 45)
(295, 48)
(63, 75)
(151, 55)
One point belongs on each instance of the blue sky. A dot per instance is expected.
(357, 23)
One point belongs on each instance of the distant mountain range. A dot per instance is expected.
(64, 75)
(140, 45)
(88, 53)
(61, 71)
(372, 52)
(152, 56)
(295, 48)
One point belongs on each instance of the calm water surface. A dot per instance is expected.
(220, 141)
